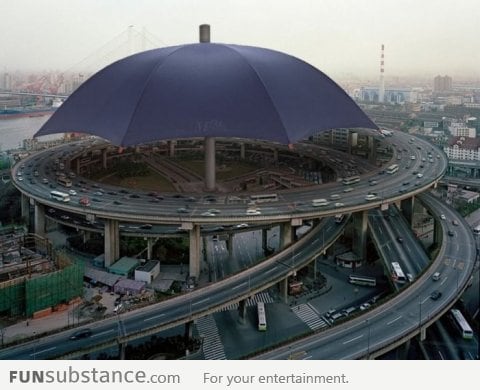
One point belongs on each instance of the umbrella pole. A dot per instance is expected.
(204, 37)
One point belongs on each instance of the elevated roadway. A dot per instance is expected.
(409, 313)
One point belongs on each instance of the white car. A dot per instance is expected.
(370, 197)
(253, 212)
(72, 192)
(339, 204)
(364, 306)
(442, 217)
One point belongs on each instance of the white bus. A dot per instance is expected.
(64, 181)
(60, 196)
(351, 180)
(392, 169)
(262, 318)
(319, 202)
(476, 230)
(362, 280)
(397, 273)
(264, 198)
(461, 324)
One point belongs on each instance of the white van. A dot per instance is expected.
(436, 276)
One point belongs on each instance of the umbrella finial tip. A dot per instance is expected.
(204, 33)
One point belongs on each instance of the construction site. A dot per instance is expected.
(35, 280)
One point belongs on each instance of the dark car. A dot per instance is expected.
(81, 334)
(450, 233)
(435, 295)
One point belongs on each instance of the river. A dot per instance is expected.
(14, 131)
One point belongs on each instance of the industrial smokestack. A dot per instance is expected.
(381, 89)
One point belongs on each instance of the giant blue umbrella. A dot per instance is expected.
(207, 90)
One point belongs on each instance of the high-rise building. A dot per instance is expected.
(6, 81)
(442, 84)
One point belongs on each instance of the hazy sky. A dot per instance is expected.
(340, 37)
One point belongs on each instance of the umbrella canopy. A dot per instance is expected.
(206, 89)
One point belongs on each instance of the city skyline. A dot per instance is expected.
(341, 38)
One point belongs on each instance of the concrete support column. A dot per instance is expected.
(194, 236)
(242, 311)
(242, 150)
(86, 236)
(372, 151)
(39, 224)
(112, 242)
(275, 155)
(437, 233)
(104, 158)
(150, 242)
(188, 335)
(283, 288)
(171, 149)
(77, 166)
(188, 330)
(229, 245)
(423, 333)
(265, 240)
(25, 207)
(286, 233)
(349, 141)
(407, 209)
(360, 227)
(210, 163)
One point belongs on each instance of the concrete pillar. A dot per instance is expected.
(171, 149)
(423, 333)
(188, 330)
(39, 219)
(210, 163)
(242, 150)
(407, 209)
(349, 141)
(25, 207)
(286, 233)
(229, 245)
(360, 226)
(372, 151)
(265, 240)
(283, 289)
(112, 242)
(402, 351)
(242, 311)
(77, 166)
(437, 233)
(104, 158)
(86, 236)
(150, 242)
(194, 236)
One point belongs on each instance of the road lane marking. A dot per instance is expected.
(43, 350)
(444, 280)
(239, 285)
(199, 302)
(154, 317)
(425, 300)
(104, 332)
(355, 338)
(392, 321)
(270, 270)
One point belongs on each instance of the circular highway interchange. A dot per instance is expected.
(292, 206)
